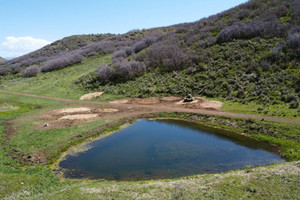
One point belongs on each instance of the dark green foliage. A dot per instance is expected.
(294, 104)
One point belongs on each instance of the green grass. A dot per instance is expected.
(254, 108)
(19, 181)
(272, 182)
(58, 83)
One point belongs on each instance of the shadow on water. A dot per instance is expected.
(156, 149)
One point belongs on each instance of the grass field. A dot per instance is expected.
(20, 181)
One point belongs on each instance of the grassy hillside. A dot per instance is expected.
(2, 59)
(248, 55)
(58, 83)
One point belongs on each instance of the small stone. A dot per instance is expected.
(46, 125)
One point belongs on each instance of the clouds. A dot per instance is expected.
(17, 46)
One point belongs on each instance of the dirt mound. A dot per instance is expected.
(201, 103)
(170, 99)
(122, 101)
(212, 105)
(90, 96)
(79, 117)
(74, 110)
(108, 110)
(145, 101)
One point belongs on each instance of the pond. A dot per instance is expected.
(158, 149)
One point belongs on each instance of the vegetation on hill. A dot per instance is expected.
(248, 53)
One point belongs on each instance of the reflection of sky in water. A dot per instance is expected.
(166, 149)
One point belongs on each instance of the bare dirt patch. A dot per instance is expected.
(108, 110)
(145, 101)
(212, 105)
(74, 110)
(79, 117)
(10, 130)
(173, 102)
(171, 99)
(122, 101)
(90, 96)
(35, 158)
(65, 117)
(201, 103)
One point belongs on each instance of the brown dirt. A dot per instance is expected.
(79, 117)
(159, 107)
(90, 96)
(108, 110)
(122, 101)
(74, 110)
(145, 101)
(171, 99)
(65, 117)
(9, 130)
(38, 157)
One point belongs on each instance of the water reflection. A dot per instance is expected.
(166, 149)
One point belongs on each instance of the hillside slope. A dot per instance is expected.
(249, 53)
(2, 59)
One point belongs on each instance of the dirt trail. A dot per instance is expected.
(159, 108)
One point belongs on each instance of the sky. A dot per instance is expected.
(27, 25)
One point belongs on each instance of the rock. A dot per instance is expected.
(46, 125)
(188, 98)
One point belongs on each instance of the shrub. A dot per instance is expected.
(244, 13)
(252, 29)
(4, 70)
(190, 70)
(294, 104)
(105, 74)
(62, 62)
(265, 65)
(167, 56)
(92, 54)
(146, 42)
(118, 55)
(294, 41)
(16, 68)
(126, 70)
(32, 71)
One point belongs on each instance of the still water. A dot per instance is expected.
(166, 149)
